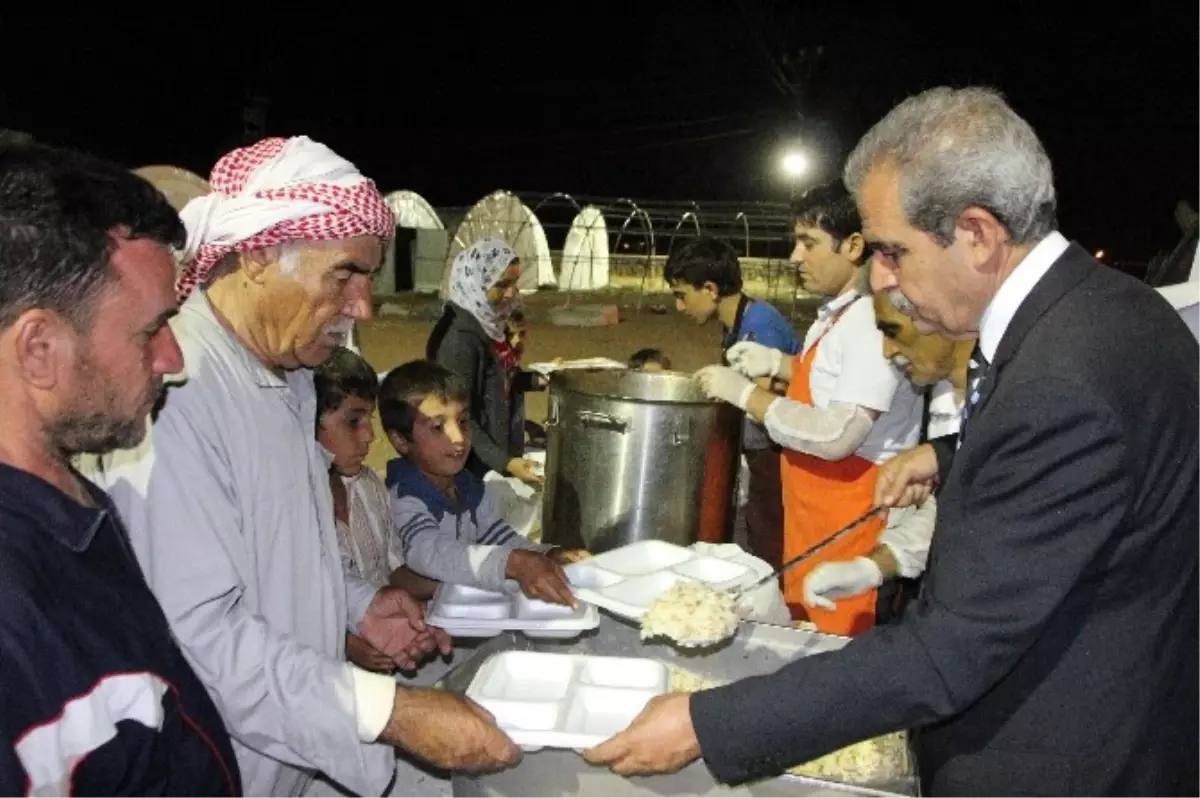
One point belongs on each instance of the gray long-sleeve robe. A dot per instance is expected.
(229, 510)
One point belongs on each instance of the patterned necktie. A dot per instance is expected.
(976, 370)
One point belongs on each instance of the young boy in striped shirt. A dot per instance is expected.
(449, 530)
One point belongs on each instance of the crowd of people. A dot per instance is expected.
(207, 592)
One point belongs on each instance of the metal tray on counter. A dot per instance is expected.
(757, 649)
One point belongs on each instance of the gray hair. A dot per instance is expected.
(289, 261)
(957, 149)
(289, 258)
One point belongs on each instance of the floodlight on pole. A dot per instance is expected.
(794, 164)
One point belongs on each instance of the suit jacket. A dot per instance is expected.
(1054, 647)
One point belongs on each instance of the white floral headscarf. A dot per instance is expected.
(474, 271)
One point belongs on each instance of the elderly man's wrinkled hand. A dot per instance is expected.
(449, 731)
(395, 625)
(366, 656)
(442, 640)
(660, 740)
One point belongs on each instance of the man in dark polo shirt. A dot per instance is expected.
(96, 697)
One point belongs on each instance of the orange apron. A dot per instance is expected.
(819, 498)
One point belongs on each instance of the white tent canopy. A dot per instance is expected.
(426, 250)
(584, 264)
(412, 211)
(502, 215)
(179, 185)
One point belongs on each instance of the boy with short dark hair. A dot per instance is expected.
(448, 529)
(706, 278)
(649, 360)
(347, 388)
(517, 330)
(523, 434)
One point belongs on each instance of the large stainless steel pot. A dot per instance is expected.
(633, 455)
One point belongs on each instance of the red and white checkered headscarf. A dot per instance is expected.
(276, 191)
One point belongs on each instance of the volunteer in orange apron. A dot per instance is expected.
(847, 408)
(936, 366)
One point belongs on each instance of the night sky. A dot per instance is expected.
(667, 101)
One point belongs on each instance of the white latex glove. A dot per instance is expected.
(725, 384)
(754, 360)
(835, 580)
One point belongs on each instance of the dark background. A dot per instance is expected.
(666, 101)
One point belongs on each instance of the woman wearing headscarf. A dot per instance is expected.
(470, 339)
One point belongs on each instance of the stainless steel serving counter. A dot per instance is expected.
(758, 649)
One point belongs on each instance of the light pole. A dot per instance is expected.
(794, 164)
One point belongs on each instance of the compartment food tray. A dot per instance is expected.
(627, 580)
(546, 700)
(756, 650)
(466, 611)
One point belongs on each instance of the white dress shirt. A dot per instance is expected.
(908, 536)
(1013, 291)
(909, 530)
(945, 410)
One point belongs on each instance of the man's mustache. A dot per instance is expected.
(901, 303)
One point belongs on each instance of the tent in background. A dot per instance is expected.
(179, 185)
(413, 211)
(502, 215)
(426, 249)
(584, 265)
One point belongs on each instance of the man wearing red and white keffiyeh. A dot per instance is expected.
(272, 194)
(227, 501)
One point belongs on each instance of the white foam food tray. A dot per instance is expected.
(627, 580)
(465, 611)
(547, 700)
(583, 363)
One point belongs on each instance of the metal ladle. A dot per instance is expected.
(792, 563)
(738, 593)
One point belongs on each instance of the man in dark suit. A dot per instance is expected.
(1054, 647)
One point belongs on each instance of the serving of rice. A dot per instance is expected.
(692, 614)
